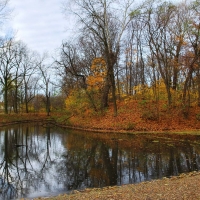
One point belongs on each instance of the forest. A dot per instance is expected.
(124, 53)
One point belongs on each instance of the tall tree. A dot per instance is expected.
(7, 69)
(30, 66)
(45, 84)
(75, 61)
(161, 41)
(106, 21)
(19, 53)
(4, 13)
(192, 53)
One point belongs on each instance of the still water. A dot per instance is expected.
(38, 160)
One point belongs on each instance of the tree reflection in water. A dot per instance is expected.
(40, 161)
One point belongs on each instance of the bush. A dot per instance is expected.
(150, 115)
(130, 126)
(198, 116)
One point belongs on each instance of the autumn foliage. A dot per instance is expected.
(98, 73)
(147, 110)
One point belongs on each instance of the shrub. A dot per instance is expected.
(198, 116)
(130, 126)
(150, 115)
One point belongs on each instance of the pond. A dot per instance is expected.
(40, 160)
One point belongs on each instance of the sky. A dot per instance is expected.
(40, 24)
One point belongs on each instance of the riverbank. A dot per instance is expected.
(185, 186)
(22, 118)
(133, 116)
(105, 124)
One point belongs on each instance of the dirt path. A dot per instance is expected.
(186, 186)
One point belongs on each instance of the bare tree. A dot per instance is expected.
(19, 53)
(30, 79)
(106, 22)
(191, 60)
(4, 13)
(162, 42)
(45, 76)
(75, 62)
(7, 69)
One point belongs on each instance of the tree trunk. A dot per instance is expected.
(26, 105)
(169, 96)
(112, 77)
(48, 104)
(104, 97)
(26, 99)
(16, 99)
(186, 102)
(186, 85)
(110, 81)
(5, 100)
(118, 84)
(198, 85)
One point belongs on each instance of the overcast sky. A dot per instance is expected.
(39, 23)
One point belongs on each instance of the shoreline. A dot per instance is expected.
(193, 131)
(184, 186)
(52, 120)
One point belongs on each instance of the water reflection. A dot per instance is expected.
(41, 161)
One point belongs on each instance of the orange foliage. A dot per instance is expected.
(98, 74)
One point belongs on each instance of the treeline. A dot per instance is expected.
(25, 79)
(26, 83)
(147, 51)
(151, 51)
